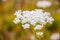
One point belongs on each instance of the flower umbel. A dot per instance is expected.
(38, 18)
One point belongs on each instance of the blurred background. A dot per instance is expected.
(10, 31)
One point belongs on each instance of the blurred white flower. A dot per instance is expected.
(50, 20)
(39, 33)
(33, 22)
(16, 21)
(38, 27)
(18, 14)
(26, 26)
(33, 17)
(55, 36)
(43, 4)
(38, 18)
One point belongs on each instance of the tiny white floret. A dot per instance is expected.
(26, 26)
(38, 27)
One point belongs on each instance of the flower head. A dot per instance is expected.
(38, 27)
(26, 26)
(34, 17)
(16, 21)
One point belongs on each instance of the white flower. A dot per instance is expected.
(26, 26)
(38, 27)
(33, 22)
(24, 21)
(37, 16)
(16, 21)
(42, 22)
(39, 33)
(55, 36)
(43, 4)
(46, 14)
(18, 14)
(50, 20)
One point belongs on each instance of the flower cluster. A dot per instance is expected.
(36, 17)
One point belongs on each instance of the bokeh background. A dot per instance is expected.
(10, 31)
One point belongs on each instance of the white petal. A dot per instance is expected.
(16, 21)
(38, 27)
(26, 26)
